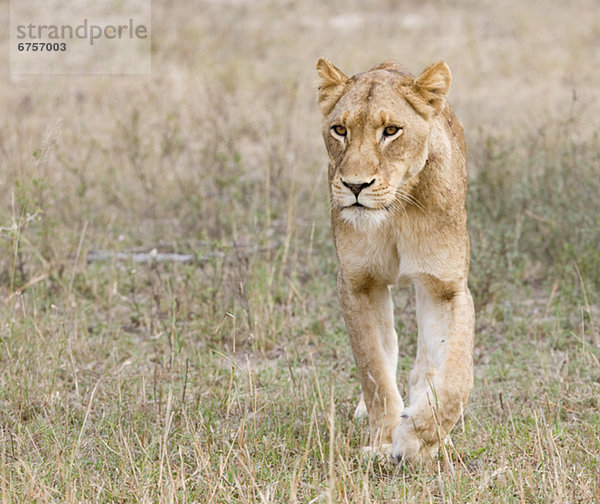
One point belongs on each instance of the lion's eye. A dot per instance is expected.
(339, 130)
(391, 131)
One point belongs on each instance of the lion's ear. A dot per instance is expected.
(331, 84)
(432, 86)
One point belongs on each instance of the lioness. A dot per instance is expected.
(397, 183)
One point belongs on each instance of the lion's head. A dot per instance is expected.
(376, 127)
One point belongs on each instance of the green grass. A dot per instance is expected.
(229, 379)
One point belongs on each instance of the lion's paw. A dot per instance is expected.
(406, 447)
(381, 453)
(361, 409)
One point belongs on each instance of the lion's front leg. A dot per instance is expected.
(442, 378)
(368, 312)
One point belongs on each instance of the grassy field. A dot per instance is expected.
(228, 377)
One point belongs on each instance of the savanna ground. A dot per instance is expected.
(229, 378)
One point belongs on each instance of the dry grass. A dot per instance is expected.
(229, 378)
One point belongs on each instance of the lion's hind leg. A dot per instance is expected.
(361, 408)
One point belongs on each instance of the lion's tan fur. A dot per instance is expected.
(410, 227)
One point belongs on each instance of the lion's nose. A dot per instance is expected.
(357, 188)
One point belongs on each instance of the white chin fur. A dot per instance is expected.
(362, 218)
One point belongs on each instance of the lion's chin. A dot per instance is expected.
(363, 218)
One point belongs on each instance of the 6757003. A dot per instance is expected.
(42, 46)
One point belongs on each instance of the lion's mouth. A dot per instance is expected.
(360, 206)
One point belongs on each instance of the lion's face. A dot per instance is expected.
(376, 128)
(376, 143)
